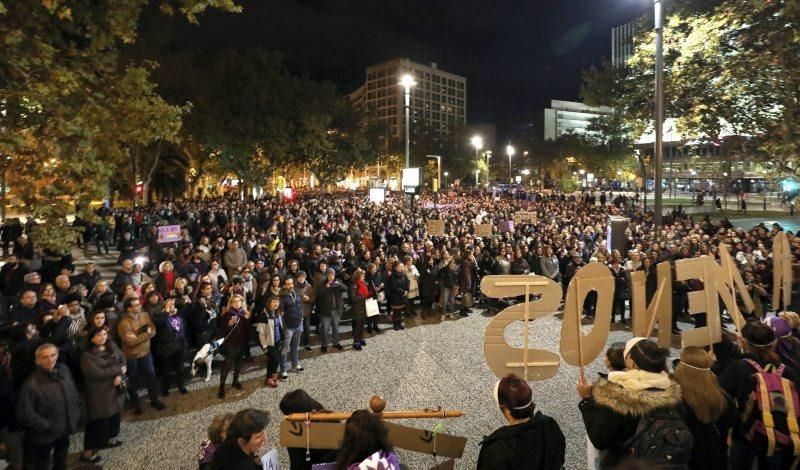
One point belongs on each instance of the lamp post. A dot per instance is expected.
(407, 81)
(659, 111)
(510, 151)
(445, 178)
(477, 142)
(583, 177)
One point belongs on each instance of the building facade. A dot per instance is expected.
(438, 101)
(564, 117)
(621, 44)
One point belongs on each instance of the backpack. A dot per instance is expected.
(662, 439)
(772, 409)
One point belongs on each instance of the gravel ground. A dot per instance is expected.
(438, 364)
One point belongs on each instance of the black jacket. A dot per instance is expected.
(612, 414)
(49, 407)
(709, 440)
(231, 457)
(396, 288)
(538, 443)
(329, 299)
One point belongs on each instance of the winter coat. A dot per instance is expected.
(448, 278)
(49, 406)
(413, 282)
(357, 302)
(329, 299)
(99, 370)
(307, 289)
(427, 283)
(292, 306)
(140, 346)
(709, 440)
(537, 443)
(612, 413)
(465, 277)
(396, 288)
(266, 324)
(236, 336)
(739, 382)
(230, 457)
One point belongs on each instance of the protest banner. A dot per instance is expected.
(169, 233)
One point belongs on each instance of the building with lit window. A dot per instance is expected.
(438, 101)
(569, 117)
(621, 44)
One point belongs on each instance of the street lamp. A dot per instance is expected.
(583, 176)
(477, 142)
(407, 81)
(510, 151)
(659, 110)
(445, 178)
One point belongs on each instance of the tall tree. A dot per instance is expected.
(65, 98)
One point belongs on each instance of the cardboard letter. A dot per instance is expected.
(781, 271)
(577, 348)
(660, 308)
(483, 230)
(703, 301)
(729, 280)
(502, 359)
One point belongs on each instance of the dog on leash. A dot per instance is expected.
(205, 355)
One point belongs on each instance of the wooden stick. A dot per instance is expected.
(525, 333)
(341, 416)
(533, 364)
(706, 284)
(656, 307)
(579, 314)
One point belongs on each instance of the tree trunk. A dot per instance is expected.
(146, 179)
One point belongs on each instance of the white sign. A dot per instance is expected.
(269, 461)
(411, 177)
(377, 195)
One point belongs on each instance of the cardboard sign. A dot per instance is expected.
(330, 436)
(525, 218)
(436, 227)
(578, 348)
(781, 271)
(506, 226)
(502, 359)
(483, 230)
(660, 308)
(270, 461)
(169, 233)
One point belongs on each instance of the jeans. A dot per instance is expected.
(291, 343)
(331, 322)
(142, 366)
(172, 368)
(447, 299)
(273, 358)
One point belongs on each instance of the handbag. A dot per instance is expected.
(372, 307)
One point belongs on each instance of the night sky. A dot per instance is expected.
(516, 54)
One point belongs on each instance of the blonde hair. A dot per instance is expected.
(162, 268)
(792, 318)
(699, 386)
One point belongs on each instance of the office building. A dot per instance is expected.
(621, 44)
(565, 117)
(438, 101)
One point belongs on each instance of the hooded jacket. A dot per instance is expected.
(612, 413)
(537, 443)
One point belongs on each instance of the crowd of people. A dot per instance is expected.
(283, 275)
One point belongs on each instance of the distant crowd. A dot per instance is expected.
(280, 276)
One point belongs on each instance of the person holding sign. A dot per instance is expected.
(637, 412)
(531, 439)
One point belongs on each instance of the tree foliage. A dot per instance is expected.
(67, 100)
(731, 69)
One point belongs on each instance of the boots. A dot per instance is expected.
(271, 381)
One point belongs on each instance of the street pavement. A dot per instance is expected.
(788, 223)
